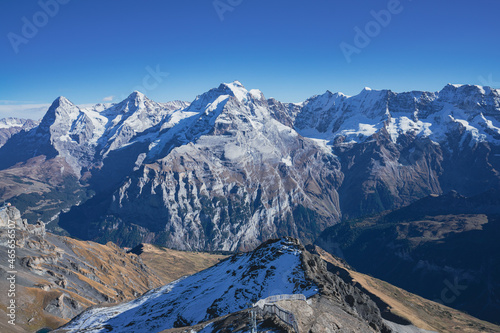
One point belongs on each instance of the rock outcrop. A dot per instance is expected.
(58, 277)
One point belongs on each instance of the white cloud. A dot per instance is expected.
(108, 99)
(30, 111)
(9, 102)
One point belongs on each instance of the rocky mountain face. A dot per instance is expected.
(233, 168)
(222, 173)
(444, 248)
(396, 148)
(59, 277)
(248, 178)
(219, 299)
(46, 169)
(395, 302)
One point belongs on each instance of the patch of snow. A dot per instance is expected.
(238, 90)
(233, 152)
(222, 289)
(256, 94)
(11, 122)
(287, 161)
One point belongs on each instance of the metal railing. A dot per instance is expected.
(266, 306)
(277, 298)
(286, 316)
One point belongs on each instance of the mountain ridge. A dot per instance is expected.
(233, 168)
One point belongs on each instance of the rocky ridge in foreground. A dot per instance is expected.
(218, 299)
(58, 277)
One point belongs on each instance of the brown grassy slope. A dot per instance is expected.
(170, 265)
(58, 277)
(421, 312)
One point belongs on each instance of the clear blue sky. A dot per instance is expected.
(290, 50)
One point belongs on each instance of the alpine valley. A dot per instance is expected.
(393, 182)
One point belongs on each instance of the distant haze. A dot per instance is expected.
(26, 111)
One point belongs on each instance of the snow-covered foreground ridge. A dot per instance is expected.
(230, 286)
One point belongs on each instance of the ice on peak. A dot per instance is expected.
(256, 94)
(136, 95)
(134, 102)
(368, 92)
(451, 88)
(236, 83)
(325, 101)
(60, 101)
(60, 105)
(238, 90)
(61, 111)
(234, 89)
(328, 94)
(334, 94)
(373, 95)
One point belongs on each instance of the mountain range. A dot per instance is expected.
(404, 186)
(233, 168)
(199, 167)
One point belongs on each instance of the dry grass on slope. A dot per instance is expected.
(171, 265)
(421, 312)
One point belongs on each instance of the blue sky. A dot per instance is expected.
(92, 50)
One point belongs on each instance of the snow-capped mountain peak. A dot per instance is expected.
(61, 111)
(237, 90)
(460, 91)
(62, 101)
(135, 101)
(136, 95)
(225, 90)
(65, 100)
(237, 83)
(243, 95)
